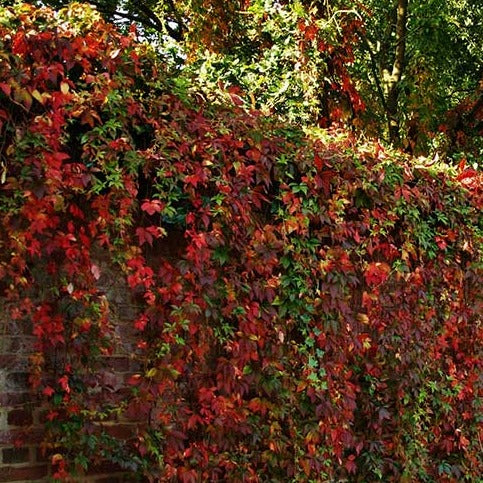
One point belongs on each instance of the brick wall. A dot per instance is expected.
(19, 415)
(22, 458)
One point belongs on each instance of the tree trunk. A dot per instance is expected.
(392, 79)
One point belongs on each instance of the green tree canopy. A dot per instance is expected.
(416, 67)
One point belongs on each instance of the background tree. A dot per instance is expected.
(415, 66)
(416, 62)
(291, 61)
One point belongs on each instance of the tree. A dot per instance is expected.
(417, 62)
(411, 65)
(290, 61)
(182, 20)
(280, 57)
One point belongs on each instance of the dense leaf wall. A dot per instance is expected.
(306, 304)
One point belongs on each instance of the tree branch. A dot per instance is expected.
(145, 16)
(126, 15)
(374, 69)
(149, 14)
(393, 79)
(177, 16)
(401, 28)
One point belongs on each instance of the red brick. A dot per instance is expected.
(20, 417)
(31, 436)
(18, 380)
(121, 431)
(127, 332)
(40, 416)
(11, 473)
(42, 456)
(20, 345)
(8, 361)
(14, 398)
(110, 479)
(104, 468)
(135, 365)
(19, 327)
(16, 455)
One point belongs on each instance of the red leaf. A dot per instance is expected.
(95, 271)
(64, 383)
(144, 236)
(254, 154)
(51, 415)
(152, 206)
(141, 322)
(326, 178)
(48, 391)
(134, 380)
(6, 88)
(377, 273)
(350, 464)
(311, 32)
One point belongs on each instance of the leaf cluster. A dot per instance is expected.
(305, 302)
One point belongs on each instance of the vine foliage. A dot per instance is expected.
(316, 319)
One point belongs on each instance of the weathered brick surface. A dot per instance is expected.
(15, 455)
(13, 399)
(18, 437)
(24, 473)
(21, 417)
(110, 479)
(103, 469)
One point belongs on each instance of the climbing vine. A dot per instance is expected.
(315, 316)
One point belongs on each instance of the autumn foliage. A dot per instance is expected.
(317, 318)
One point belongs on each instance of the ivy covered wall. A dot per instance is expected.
(287, 304)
